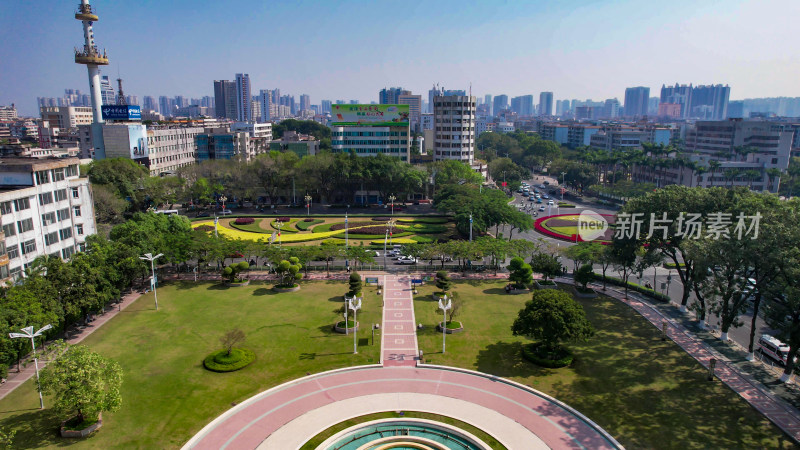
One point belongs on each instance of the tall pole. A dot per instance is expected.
(346, 240)
(36, 364)
(346, 301)
(470, 227)
(386, 238)
(444, 305)
(153, 271)
(27, 332)
(355, 331)
(563, 177)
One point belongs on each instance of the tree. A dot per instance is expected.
(82, 382)
(288, 271)
(456, 304)
(520, 273)
(583, 253)
(232, 272)
(584, 275)
(355, 285)
(108, 206)
(623, 256)
(546, 264)
(443, 281)
(231, 339)
(552, 316)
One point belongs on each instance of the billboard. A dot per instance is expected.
(370, 115)
(121, 112)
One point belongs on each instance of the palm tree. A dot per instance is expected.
(730, 175)
(774, 175)
(713, 165)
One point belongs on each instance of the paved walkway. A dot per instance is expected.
(399, 336)
(15, 379)
(782, 414)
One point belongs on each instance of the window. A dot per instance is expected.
(29, 247)
(22, 204)
(48, 218)
(46, 198)
(4, 272)
(63, 214)
(25, 225)
(42, 177)
(72, 170)
(15, 272)
(79, 230)
(77, 211)
(67, 252)
(58, 174)
(13, 251)
(82, 247)
(65, 233)
(9, 229)
(5, 208)
(60, 195)
(51, 238)
(76, 193)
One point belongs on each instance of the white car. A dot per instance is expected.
(541, 208)
(377, 253)
(550, 202)
(225, 212)
(406, 260)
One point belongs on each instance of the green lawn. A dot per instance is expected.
(645, 392)
(167, 395)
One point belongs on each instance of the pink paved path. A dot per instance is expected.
(248, 424)
(399, 334)
(775, 409)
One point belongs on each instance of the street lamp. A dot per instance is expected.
(279, 224)
(308, 204)
(444, 307)
(27, 332)
(563, 177)
(392, 198)
(223, 199)
(151, 258)
(355, 305)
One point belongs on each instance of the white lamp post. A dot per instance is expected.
(444, 307)
(470, 227)
(27, 332)
(392, 198)
(355, 305)
(151, 258)
(279, 224)
(308, 204)
(347, 301)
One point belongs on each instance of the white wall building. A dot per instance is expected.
(255, 130)
(454, 123)
(64, 117)
(47, 209)
(171, 148)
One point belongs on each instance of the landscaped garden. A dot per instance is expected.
(167, 394)
(360, 229)
(565, 226)
(647, 393)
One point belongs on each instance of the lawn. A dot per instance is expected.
(167, 395)
(647, 393)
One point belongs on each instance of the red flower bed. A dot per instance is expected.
(351, 225)
(284, 219)
(244, 221)
(572, 237)
(308, 220)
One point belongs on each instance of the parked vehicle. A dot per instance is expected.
(406, 260)
(225, 212)
(550, 202)
(773, 348)
(541, 208)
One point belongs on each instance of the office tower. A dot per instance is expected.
(562, 107)
(305, 102)
(225, 99)
(522, 105)
(487, 100)
(454, 127)
(611, 108)
(678, 95)
(637, 101)
(107, 93)
(165, 106)
(710, 102)
(546, 104)
(244, 107)
(414, 103)
(149, 103)
(500, 103)
(265, 102)
(388, 96)
(325, 105)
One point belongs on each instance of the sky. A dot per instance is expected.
(350, 49)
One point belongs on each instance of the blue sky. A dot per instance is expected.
(350, 49)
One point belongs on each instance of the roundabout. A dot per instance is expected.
(565, 227)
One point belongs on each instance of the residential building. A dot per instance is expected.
(305, 102)
(414, 103)
(546, 104)
(149, 103)
(221, 143)
(64, 117)
(736, 110)
(255, 130)
(500, 103)
(107, 93)
(426, 122)
(244, 110)
(325, 105)
(555, 132)
(678, 94)
(627, 138)
(487, 100)
(301, 144)
(710, 102)
(390, 96)
(47, 209)
(369, 130)
(454, 124)
(8, 112)
(224, 99)
(522, 105)
(562, 107)
(636, 101)
(265, 102)
(171, 148)
(579, 135)
(611, 109)
(670, 110)
(165, 106)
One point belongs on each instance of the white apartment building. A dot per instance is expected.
(47, 209)
(454, 126)
(372, 140)
(63, 117)
(171, 148)
(254, 129)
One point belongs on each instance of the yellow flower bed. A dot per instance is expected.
(294, 237)
(395, 241)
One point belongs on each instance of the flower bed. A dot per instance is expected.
(543, 224)
(244, 220)
(307, 223)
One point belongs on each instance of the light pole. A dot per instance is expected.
(392, 198)
(151, 258)
(470, 227)
(355, 306)
(347, 300)
(308, 204)
(346, 240)
(669, 280)
(444, 307)
(27, 332)
(223, 199)
(279, 224)
(563, 177)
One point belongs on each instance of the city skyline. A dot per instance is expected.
(503, 50)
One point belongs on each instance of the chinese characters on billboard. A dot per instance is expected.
(370, 115)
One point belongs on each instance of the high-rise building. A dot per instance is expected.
(680, 94)
(107, 91)
(546, 104)
(414, 103)
(736, 109)
(636, 101)
(500, 104)
(487, 100)
(165, 106)
(522, 105)
(611, 108)
(244, 106)
(8, 112)
(325, 105)
(265, 101)
(149, 103)
(454, 127)
(225, 99)
(388, 96)
(710, 102)
(305, 102)
(562, 107)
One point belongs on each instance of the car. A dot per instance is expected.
(536, 191)
(538, 200)
(225, 212)
(545, 196)
(546, 183)
(406, 260)
(532, 199)
(541, 208)
(377, 253)
(519, 190)
(550, 202)
(235, 255)
(538, 195)
(202, 214)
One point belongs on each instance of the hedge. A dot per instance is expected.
(244, 220)
(530, 353)
(671, 265)
(634, 287)
(250, 228)
(286, 228)
(306, 224)
(428, 229)
(219, 361)
(333, 241)
(423, 219)
(395, 241)
(422, 239)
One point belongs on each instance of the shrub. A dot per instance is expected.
(381, 219)
(232, 272)
(221, 361)
(443, 281)
(244, 220)
(309, 220)
(520, 273)
(284, 219)
(422, 239)
(355, 285)
(536, 353)
(205, 228)
(289, 271)
(307, 223)
(634, 287)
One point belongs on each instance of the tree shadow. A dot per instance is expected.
(218, 287)
(495, 291)
(338, 298)
(314, 355)
(38, 428)
(504, 359)
(264, 291)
